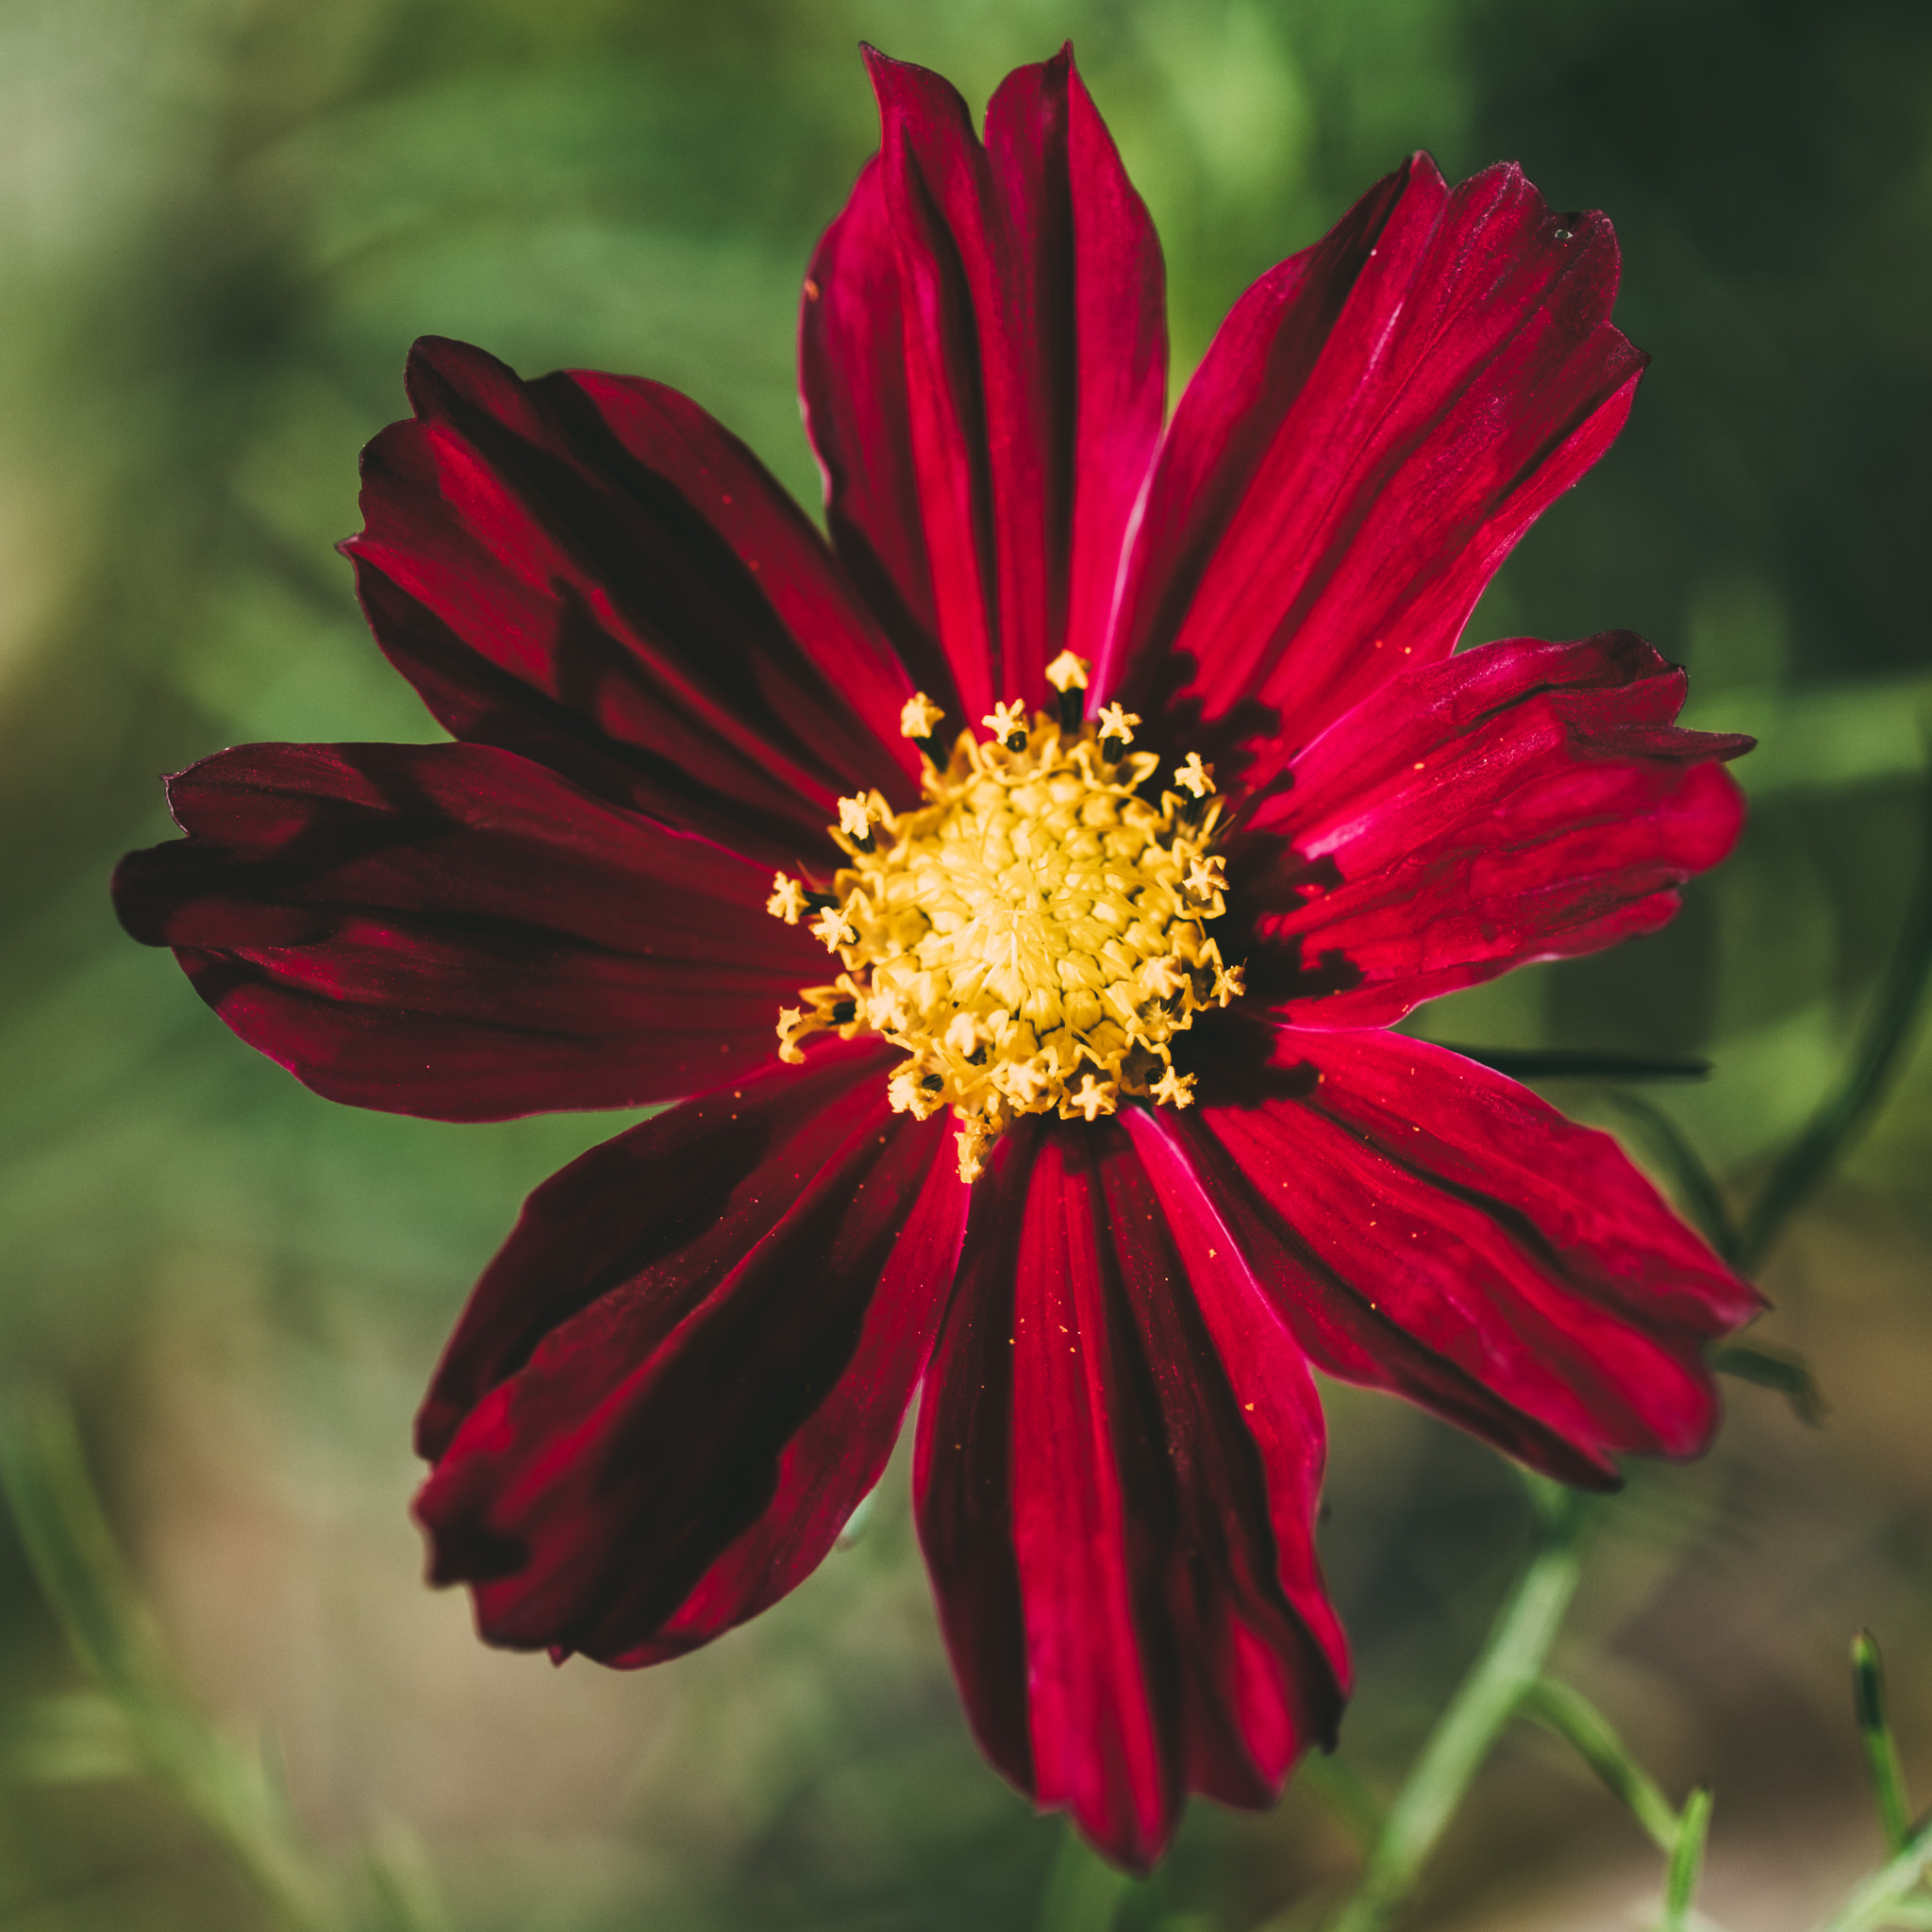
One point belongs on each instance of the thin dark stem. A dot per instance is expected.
(1847, 1108)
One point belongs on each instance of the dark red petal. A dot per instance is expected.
(1426, 1226)
(687, 1366)
(589, 571)
(983, 351)
(450, 930)
(1520, 801)
(1378, 421)
(1119, 1456)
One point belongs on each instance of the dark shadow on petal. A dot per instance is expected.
(1277, 974)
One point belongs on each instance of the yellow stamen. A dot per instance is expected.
(834, 929)
(1163, 976)
(1007, 720)
(962, 1036)
(1207, 877)
(1069, 672)
(1173, 1089)
(918, 716)
(1093, 1099)
(1032, 937)
(976, 1137)
(789, 1020)
(1198, 778)
(1026, 1081)
(787, 899)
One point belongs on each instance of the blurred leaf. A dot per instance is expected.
(1881, 1748)
(157, 1727)
(1083, 1892)
(1845, 1109)
(77, 1737)
(1882, 1898)
(403, 1882)
(79, 1569)
(1909, 1911)
(1346, 1792)
(1697, 1189)
(1768, 1369)
(1820, 737)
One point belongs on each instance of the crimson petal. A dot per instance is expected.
(688, 1363)
(1375, 424)
(1119, 1454)
(983, 351)
(590, 571)
(1522, 801)
(451, 930)
(1427, 1226)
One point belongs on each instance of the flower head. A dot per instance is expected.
(1091, 1125)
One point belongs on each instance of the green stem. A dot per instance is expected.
(1845, 1109)
(1509, 1663)
(1584, 1727)
(1698, 1193)
(1687, 1861)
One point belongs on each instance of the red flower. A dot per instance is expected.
(690, 1362)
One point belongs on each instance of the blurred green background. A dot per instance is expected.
(221, 222)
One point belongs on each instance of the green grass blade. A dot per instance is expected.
(1574, 1719)
(1686, 1861)
(1697, 1191)
(1847, 1108)
(1881, 1747)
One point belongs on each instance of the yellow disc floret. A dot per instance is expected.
(1033, 936)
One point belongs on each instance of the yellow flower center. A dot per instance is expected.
(1034, 935)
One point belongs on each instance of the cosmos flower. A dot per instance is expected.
(1015, 896)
